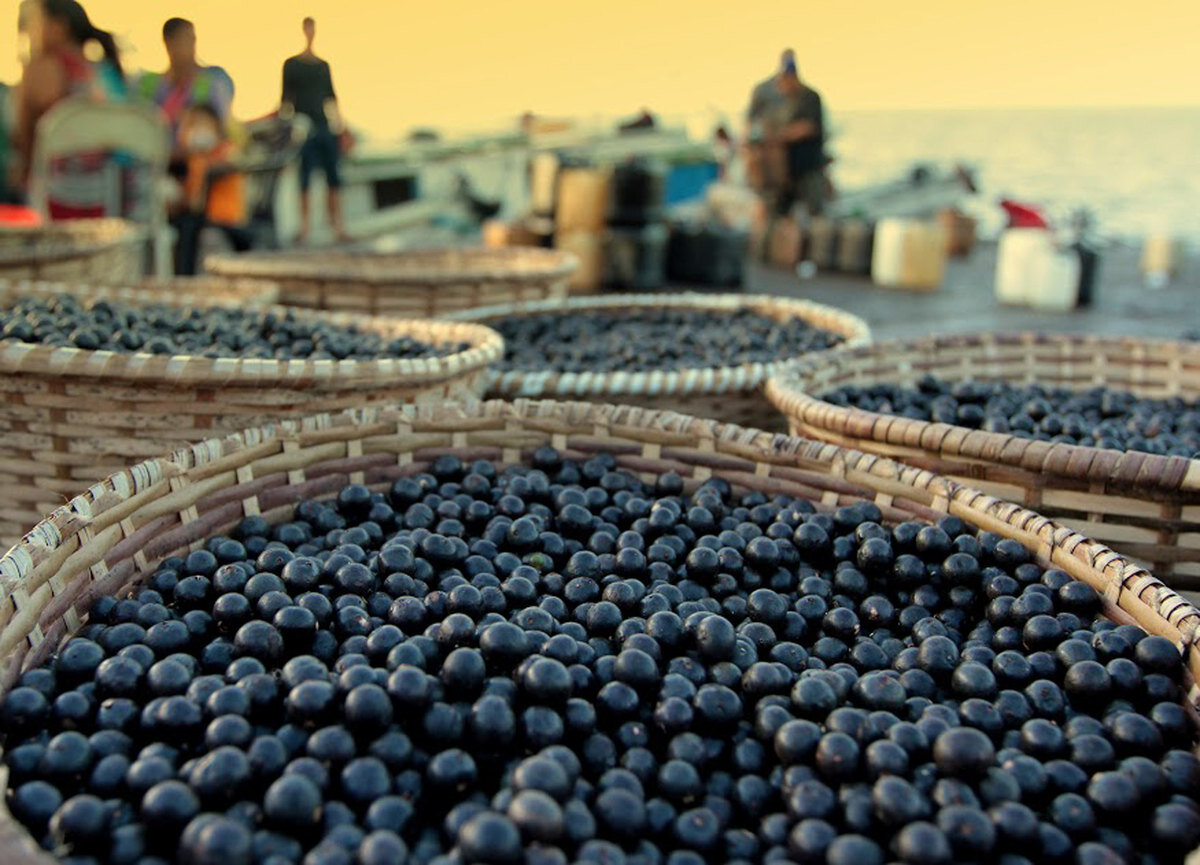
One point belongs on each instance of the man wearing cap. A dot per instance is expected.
(795, 131)
(763, 167)
(766, 93)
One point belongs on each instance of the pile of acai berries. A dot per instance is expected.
(645, 340)
(1096, 417)
(562, 662)
(103, 325)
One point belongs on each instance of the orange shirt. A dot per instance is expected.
(226, 195)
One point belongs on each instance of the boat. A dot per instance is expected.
(922, 192)
(393, 189)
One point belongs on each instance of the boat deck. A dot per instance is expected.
(966, 302)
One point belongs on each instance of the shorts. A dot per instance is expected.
(808, 190)
(320, 151)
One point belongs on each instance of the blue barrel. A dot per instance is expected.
(687, 181)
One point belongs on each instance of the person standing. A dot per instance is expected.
(185, 84)
(765, 94)
(308, 90)
(796, 132)
(763, 172)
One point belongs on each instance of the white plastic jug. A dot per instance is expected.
(908, 253)
(1054, 280)
(1018, 253)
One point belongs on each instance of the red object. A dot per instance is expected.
(16, 215)
(1023, 215)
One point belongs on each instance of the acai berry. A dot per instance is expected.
(106, 325)
(562, 661)
(1096, 417)
(643, 340)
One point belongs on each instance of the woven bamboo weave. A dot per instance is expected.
(178, 291)
(732, 394)
(412, 284)
(110, 537)
(95, 250)
(69, 417)
(1145, 506)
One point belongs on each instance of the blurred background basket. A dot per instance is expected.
(415, 284)
(177, 291)
(1144, 505)
(98, 250)
(68, 417)
(115, 533)
(732, 393)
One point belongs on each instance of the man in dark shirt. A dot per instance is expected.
(308, 90)
(765, 94)
(764, 99)
(797, 125)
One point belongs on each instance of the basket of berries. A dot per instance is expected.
(1097, 432)
(560, 632)
(702, 354)
(419, 283)
(93, 379)
(96, 250)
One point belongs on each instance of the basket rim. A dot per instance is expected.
(788, 392)
(416, 267)
(79, 238)
(485, 345)
(1055, 544)
(698, 380)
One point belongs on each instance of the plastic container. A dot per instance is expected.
(908, 254)
(638, 193)
(636, 258)
(588, 248)
(582, 203)
(706, 255)
(1089, 266)
(1161, 256)
(690, 181)
(543, 178)
(1017, 254)
(785, 243)
(822, 243)
(960, 232)
(1054, 281)
(855, 241)
(1021, 215)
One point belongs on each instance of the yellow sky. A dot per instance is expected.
(469, 63)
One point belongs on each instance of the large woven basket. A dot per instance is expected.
(732, 393)
(175, 291)
(96, 250)
(109, 538)
(69, 417)
(414, 284)
(1145, 506)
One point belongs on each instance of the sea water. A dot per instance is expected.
(1136, 169)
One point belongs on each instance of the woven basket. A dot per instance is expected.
(731, 394)
(69, 417)
(176, 291)
(96, 250)
(1145, 506)
(108, 539)
(413, 284)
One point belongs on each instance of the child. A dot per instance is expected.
(213, 188)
